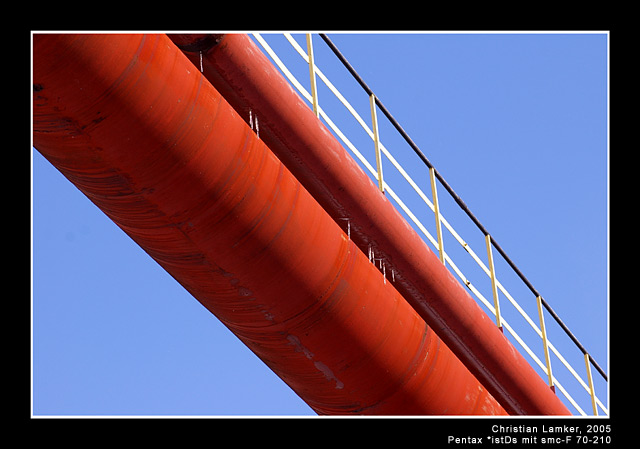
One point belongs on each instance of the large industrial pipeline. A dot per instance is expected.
(254, 87)
(142, 133)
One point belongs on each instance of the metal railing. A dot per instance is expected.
(438, 242)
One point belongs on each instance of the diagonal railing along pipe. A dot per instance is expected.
(254, 87)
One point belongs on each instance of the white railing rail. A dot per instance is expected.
(437, 242)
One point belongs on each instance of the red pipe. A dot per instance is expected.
(251, 84)
(131, 123)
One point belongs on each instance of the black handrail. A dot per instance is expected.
(458, 200)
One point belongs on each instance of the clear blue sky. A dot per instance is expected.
(516, 123)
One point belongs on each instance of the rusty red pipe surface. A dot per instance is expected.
(130, 122)
(252, 85)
